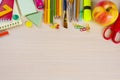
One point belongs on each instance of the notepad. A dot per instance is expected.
(16, 20)
(6, 9)
(26, 7)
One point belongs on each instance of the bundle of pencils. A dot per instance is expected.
(53, 8)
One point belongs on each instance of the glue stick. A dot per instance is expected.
(87, 10)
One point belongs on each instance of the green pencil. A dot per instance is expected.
(51, 11)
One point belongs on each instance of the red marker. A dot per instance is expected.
(3, 33)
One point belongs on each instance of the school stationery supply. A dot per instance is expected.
(70, 9)
(47, 11)
(77, 9)
(39, 4)
(54, 8)
(58, 8)
(82, 28)
(87, 10)
(113, 31)
(6, 10)
(65, 23)
(3, 33)
(28, 24)
(26, 7)
(15, 21)
(74, 10)
(35, 18)
(51, 11)
(81, 10)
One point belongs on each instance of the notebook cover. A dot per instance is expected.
(6, 14)
(15, 20)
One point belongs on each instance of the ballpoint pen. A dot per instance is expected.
(65, 23)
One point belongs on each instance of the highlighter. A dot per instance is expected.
(87, 10)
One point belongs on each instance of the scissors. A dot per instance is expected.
(113, 31)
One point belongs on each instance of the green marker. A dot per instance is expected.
(87, 10)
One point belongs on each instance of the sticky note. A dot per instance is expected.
(35, 18)
(26, 7)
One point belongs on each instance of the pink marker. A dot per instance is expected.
(39, 4)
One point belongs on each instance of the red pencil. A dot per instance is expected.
(3, 33)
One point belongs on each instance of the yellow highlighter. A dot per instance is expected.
(87, 10)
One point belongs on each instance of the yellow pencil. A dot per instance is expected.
(57, 8)
(48, 9)
(60, 8)
(77, 9)
(45, 11)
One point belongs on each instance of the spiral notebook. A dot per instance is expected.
(15, 21)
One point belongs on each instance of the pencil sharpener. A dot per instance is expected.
(39, 4)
